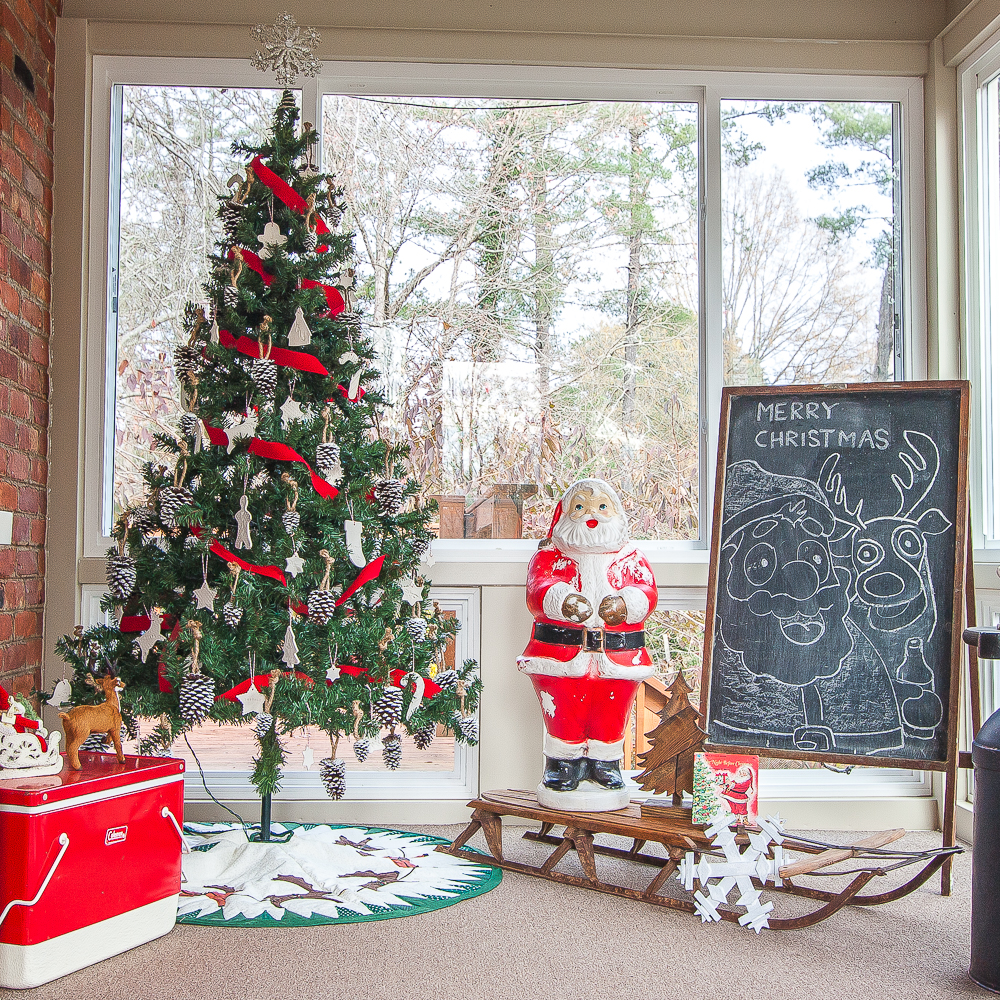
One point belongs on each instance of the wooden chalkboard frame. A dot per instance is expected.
(961, 527)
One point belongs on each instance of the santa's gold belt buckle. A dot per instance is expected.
(595, 640)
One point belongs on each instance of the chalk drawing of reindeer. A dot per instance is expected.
(892, 591)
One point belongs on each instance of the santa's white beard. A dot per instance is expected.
(574, 536)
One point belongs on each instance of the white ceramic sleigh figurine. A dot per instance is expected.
(26, 749)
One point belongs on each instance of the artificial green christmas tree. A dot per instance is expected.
(273, 574)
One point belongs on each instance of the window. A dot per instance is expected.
(486, 480)
(556, 284)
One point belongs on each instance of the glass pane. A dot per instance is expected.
(811, 236)
(175, 162)
(989, 275)
(531, 274)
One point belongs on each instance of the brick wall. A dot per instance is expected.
(27, 56)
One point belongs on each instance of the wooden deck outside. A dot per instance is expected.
(233, 748)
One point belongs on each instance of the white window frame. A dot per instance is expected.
(978, 268)
(463, 564)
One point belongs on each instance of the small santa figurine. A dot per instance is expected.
(737, 790)
(589, 590)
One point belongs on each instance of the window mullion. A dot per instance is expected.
(711, 358)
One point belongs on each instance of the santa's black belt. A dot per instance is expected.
(591, 639)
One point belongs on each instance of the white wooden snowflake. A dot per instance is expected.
(736, 871)
(285, 48)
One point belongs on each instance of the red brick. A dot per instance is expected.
(29, 499)
(39, 411)
(8, 431)
(8, 497)
(34, 653)
(34, 592)
(19, 404)
(26, 564)
(6, 561)
(33, 249)
(13, 594)
(18, 467)
(15, 655)
(10, 230)
(22, 527)
(40, 287)
(38, 531)
(27, 440)
(12, 92)
(39, 349)
(25, 624)
(6, 627)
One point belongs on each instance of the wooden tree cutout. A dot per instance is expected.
(668, 765)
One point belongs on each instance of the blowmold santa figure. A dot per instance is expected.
(590, 590)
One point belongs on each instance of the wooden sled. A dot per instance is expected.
(672, 829)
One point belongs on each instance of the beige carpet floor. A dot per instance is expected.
(530, 938)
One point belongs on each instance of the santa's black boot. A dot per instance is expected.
(605, 773)
(563, 775)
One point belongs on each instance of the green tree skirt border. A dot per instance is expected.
(426, 905)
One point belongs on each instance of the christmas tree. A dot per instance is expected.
(274, 574)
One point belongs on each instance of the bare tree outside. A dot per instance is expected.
(176, 160)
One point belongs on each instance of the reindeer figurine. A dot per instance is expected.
(80, 722)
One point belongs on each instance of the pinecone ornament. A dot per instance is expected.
(424, 736)
(352, 320)
(392, 751)
(262, 724)
(389, 496)
(120, 574)
(232, 614)
(96, 743)
(172, 498)
(327, 456)
(322, 602)
(467, 726)
(361, 749)
(142, 519)
(230, 220)
(322, 605)
(417, 627)
(189, 424)
(196, 697)
(264, 373)
(332, 772)
(187, 361)
(446, 678)
(290, 519)
(388, 708)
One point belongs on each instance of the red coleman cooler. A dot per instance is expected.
(91, 864)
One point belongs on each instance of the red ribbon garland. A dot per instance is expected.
(298, 360)
(284, 192)
(334, 300)
(369, 573)
(271, 571)
(395, 678)
(282, 453)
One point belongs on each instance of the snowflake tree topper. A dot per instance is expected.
(285, 48)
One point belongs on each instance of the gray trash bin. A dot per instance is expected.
(985, 965)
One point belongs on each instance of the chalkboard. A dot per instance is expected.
(836, 576)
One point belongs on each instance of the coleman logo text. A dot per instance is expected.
(116, 835)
